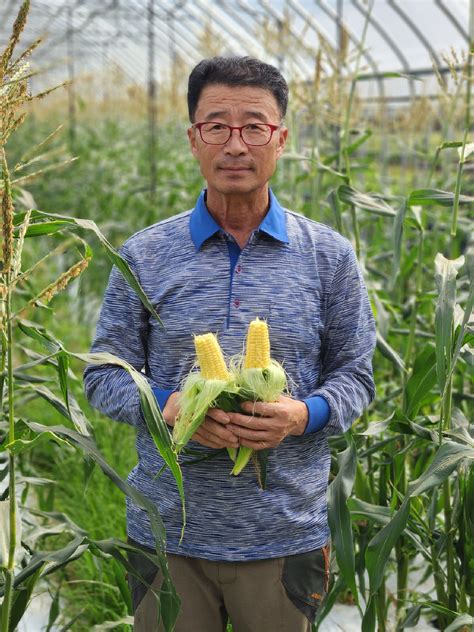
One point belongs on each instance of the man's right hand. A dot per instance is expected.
(212, 433)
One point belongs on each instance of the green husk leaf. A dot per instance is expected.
(264, 385)
(198, 395)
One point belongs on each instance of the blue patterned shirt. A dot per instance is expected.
(303, 279)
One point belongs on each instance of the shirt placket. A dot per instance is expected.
(236, 300)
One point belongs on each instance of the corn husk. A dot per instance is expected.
(197, 396)
(263, 385)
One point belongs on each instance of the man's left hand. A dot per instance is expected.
(265, 425)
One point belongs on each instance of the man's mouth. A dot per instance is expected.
(235, 168)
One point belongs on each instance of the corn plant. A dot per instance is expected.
(30, 354)
(401, 494)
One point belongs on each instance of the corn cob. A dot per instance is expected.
(210, 358)
(260, 379)
(257, 351)
(212, 386)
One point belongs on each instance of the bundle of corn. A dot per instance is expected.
(258, 377)
(211, 387)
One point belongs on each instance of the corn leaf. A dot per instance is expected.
(448, 457)
(335, 207)
(339, 516)
(328, 602)
(39, 333)
(389, 352)
(412, 617)
(446, 271)
(71, 411)
(460, 623)
(152, 414)
(421, 380)
(380, 546)
(61, 222)
(21, 599)
(397, 241)
(368, 620)
(169, 599)
(368, 202)
(425, 197)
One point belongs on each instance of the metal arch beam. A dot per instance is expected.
(308, 18)
(54, 16)
(268, 8)
(78, 30)
(91, 45)
(123, 60)
(305, 15)
(377, 26)
(454, 21)
(192, 50)
(355, 40)
(224, 24)
(184, 41)
(413, 27)
(233, 33)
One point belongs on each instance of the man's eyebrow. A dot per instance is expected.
(216, 114)
(257, 115)
(249, 114)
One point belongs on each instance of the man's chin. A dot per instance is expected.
(236, 187)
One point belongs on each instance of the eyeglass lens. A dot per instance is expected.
(219, 133)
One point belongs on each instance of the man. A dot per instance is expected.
(260, 557)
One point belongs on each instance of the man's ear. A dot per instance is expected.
(192, 141)
(282, 138)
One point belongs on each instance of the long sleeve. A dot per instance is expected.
(121, 330)
(348, 344)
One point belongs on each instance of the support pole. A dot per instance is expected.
(152, 105)
(71, 78)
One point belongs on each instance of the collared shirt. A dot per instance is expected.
(303, 279)
(203, 226)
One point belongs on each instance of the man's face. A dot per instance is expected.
(237, 168)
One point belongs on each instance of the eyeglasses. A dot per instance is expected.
(256, 134)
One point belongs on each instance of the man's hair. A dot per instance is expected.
(236, 71)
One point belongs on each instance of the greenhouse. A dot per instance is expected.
(237, 315)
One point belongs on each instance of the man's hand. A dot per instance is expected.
(212, 433)
(266, 425)
(171, 409)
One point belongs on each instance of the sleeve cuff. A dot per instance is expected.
(319, 413)
(162, 396)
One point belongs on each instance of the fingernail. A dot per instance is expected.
(226, 418)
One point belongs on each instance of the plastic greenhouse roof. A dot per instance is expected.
(403, 36)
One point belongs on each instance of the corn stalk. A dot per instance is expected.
(22, 568)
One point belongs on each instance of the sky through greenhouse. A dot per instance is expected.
(149, 36)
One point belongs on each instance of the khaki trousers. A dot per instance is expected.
(275, 595)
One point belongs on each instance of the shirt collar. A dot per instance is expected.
(202, 225)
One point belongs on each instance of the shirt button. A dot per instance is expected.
(238, 268)
(236, 302)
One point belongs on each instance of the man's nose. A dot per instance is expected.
(235, 144)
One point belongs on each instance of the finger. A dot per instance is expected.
(264, 409)
(206, 440)
(256, 435)
(218, 431)
(258, 445)
(218, 415)
(247, 421)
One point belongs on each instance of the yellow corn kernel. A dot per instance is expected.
(210, 358)
(257, 353)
